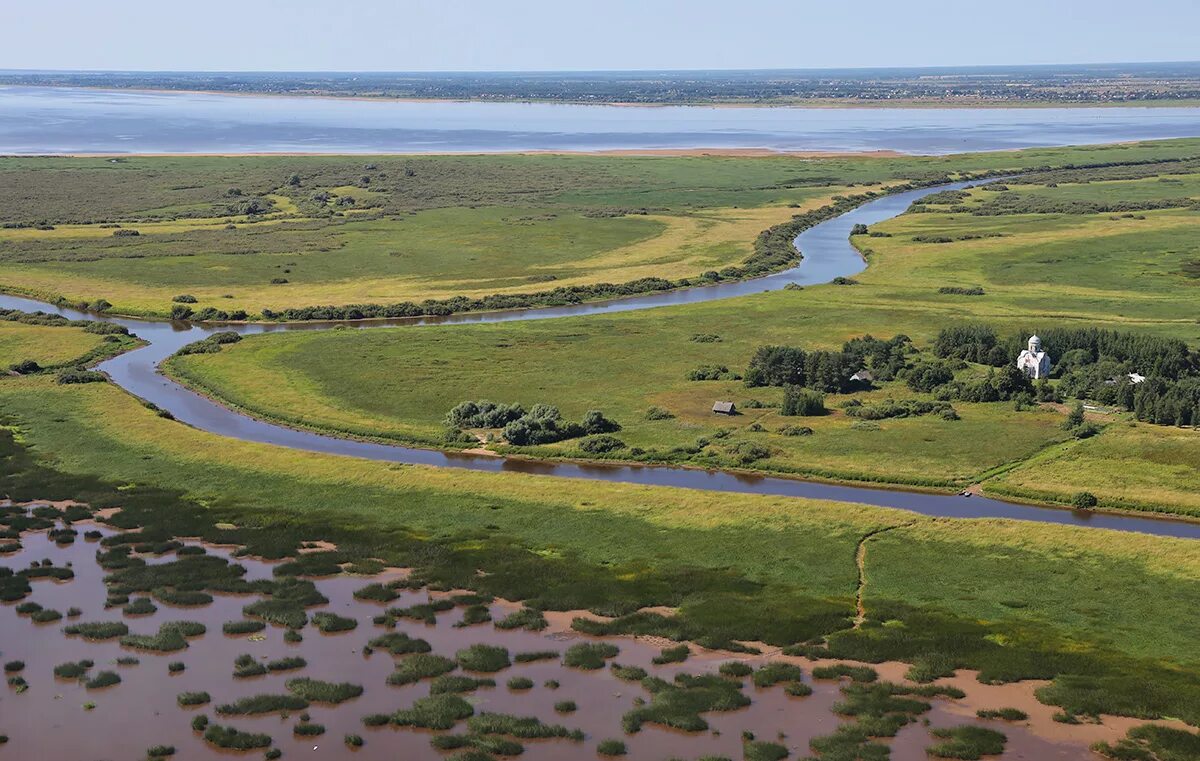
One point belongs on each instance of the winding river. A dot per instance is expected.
(827, 254)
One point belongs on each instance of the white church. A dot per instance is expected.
(1034, 362)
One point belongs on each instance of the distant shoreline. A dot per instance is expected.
(848, 103)
(626, 152)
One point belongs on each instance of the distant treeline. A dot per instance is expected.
(1117, 83)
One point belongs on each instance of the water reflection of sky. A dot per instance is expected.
(49, 120)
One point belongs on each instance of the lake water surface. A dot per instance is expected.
(37, 120)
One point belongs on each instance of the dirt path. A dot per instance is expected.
(860, 561)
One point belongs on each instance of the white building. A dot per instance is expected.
(1033, 361)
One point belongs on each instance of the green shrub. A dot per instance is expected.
(1007, 714)
(199, 722)
(255, 705)
(243, 627)
(140, 607)
(234, 739)
(102, 680)
(434, 712)
(736, 669)
(14, 667)
(797, 689)
(566, 706)
(376, 593)
(967, 742)
(176, 667)
(354, 741)
(1084, 500)
(611, 748)
(774, 673)
(520, 683)
(601, 444)
(837, 671)
(535, 655)
(764, 751)
(525, 727)
(676, 654)
(658, 413)
(171, 636)
(323, 692)
(306, 729)
(72, 670)
(589, 656)
(399, 643)
(678, 705)
(192, 698)
(245, 666)
(474, 615)
(487, 659)
(799, 401)
(331, 622)
(286, 664)
(160, 751)
(628, 673)
(926, 668)
(457, 684)
(525, 618)
(420, 666)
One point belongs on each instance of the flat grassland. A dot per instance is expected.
(20, 342)
(1047, 254)
(341, 230)
(1053, 586)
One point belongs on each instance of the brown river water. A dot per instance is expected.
(49, 720)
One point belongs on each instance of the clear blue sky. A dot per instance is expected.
(431, 35)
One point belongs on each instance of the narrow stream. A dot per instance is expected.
(827, 254)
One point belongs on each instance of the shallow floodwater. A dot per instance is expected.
(49, 720)
(36, 120)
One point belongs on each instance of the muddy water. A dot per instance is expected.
(49, 721)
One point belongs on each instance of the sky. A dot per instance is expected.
(558, 35)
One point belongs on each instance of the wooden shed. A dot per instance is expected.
(724, 408)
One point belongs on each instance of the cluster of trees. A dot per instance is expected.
(827, 371)
(1092, 363)
(1164, 401)
(210, 345)
(180, 311)
(1071, 348)
(885, 359)
(541, 424)
(54, 320)
(798, 400)
(889, 408)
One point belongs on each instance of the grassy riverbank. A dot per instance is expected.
(737, 566)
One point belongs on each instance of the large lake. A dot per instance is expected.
(37, 120)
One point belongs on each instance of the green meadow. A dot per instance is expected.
(1038, 267)
(255, 233)
(609, 545)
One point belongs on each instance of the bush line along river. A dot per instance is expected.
(827, 254)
